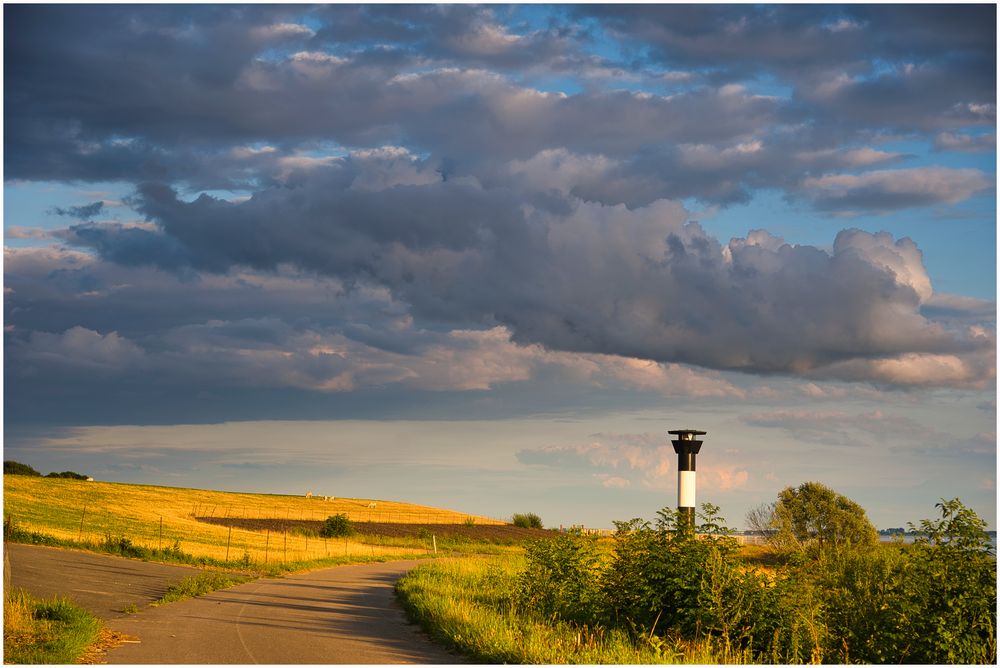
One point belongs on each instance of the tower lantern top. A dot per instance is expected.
(687, 434)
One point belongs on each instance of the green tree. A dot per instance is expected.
(527, 521)
(72, 475)
(11, 467)
(814, 514)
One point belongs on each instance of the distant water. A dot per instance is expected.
(909, 538)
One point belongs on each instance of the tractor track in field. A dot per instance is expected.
(494, 533)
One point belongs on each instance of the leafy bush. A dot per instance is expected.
(668, 577)
(934, 602)
(336, 526)
(562, 577)
(527, 521)
(861, 598)
(950, 592)
(123, 546)
(11, 467)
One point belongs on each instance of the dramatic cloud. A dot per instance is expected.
(656, 287)
(458, 199)
(894, 189)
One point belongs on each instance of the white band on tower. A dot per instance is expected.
(685, 489)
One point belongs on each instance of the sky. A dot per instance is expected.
(484, 258)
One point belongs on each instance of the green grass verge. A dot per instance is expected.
(203, 583)
(45, 631)
(469, 604)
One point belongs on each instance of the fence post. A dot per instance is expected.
(267, 542)
(285, 532)
(434, 538)
(229, 540)
(79, 538)
(159, 545)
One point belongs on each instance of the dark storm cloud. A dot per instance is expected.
(663, 290)
(854, 67)
(793, 40)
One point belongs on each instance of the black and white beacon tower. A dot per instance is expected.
(686, 447)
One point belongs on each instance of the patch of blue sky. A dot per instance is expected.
(325, 149)
(33, 204)
(920, 153)
(769, 86)
(235, 195)
(276, 54)
(551, 84)
(311, 21)
(768, 210)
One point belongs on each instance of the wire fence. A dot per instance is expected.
(131, 536)
(360, 513)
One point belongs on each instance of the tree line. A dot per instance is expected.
(10, 467)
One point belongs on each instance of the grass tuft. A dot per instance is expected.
(50, 631)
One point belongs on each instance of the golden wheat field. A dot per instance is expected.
(160, 516)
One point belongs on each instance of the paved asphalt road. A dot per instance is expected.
(346, 614)
(99, 583)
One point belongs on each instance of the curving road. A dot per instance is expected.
(346, 614)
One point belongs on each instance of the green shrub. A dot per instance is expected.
(950, 590)
(527, 521)
(561, 578)
(11, 467)
(862, 590)
(933, 602)
(124, 547)
(336, 525)
(665, 581)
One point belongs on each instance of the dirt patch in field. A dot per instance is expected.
(492, 533)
